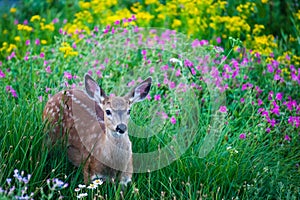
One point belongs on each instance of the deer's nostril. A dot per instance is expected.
(121, 128)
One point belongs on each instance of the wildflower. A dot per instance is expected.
(98, 182)
(27, 42)
(68, 75)
(81, 186)
(279, 96)
(242, 136)
(12, 91)
(218, 40)
(173, 120)
(157, 97)
(92, 186)
(82, 195)
(2, 75)
(13, 10)
(259, 102)
(287, 138)
(151, 70)
(77, 189)
(223, 109)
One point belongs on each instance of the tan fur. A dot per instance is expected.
(91, 134)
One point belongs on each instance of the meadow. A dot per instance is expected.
(222, 118)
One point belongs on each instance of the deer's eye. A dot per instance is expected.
(108, 112)
(128, 112)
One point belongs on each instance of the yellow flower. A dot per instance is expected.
(176, 23)
(257, 29)
(13, 10)
(35, 18)
(22, 27)
(44, 42)
(67, 50)
(11, 48)
(147, 2)
(5, 31)
(17, 38)
(264, 1)
(84, 5)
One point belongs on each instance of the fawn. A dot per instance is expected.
(95, 127)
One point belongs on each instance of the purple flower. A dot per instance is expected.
(287, 138)
(242, 100)
(157, 97)
(223, 109)
(268, 130)
(2, 75)
(218, 40)
(173, 120)
(172, 84)
(242, 136)
(279, 96)
(37, 42)
(68, 75)
(259, 102)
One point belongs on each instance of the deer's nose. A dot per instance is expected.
(121, 128)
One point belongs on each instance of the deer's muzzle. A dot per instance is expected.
(121, 128)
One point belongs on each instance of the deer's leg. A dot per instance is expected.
(127, 174)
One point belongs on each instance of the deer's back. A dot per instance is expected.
(72, 116)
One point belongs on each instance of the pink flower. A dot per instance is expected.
(218, 40)
(27, 42)
(152, 70)
(242, 136)
(157, 97)
(48, 69)
(37, 42)
(259, 102)
(2, 75)
(173, 120)
(279, 96)
(178, 72)
(42, 54)
(12, 91)
(287, 138)
(242, 100)
(68, 75)
(223, 109)
(40, 98)
(172, 84)
(131, 83)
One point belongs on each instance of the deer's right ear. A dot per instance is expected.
(93, 90)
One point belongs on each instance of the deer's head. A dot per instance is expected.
(116, 109)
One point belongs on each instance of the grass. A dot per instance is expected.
(250, 150)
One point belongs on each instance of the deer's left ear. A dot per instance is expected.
(140, 92)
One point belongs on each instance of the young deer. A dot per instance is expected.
(95, 126)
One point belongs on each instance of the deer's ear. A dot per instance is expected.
(139, 92)
(93, 90)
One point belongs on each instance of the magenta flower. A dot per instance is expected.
(279, 96)
(37, 42)
(242, 136)
(68, 75)
(259, 102)
(157, 97)
(172, 84)
(12, 91)
(287, 138)
(242, 100)
(42, 54)
(218, 40)
(173, 120)
(48, 69)
(151, 70)
(223, 109)
(2, 75)
(178, 72)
